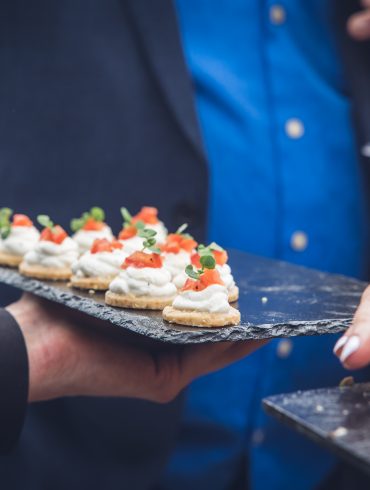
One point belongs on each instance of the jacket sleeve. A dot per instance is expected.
(13, 381)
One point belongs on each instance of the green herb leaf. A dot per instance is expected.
(45, 221)
(150, 242)
(77, 224)
(140, 225)
(155, 250)
(127, 218)
(5, 213)
(191, 272)
(5, 231)
(146, 233)
(97, 213)
(207, 261)
(203, 250)
(181, 229)
(215, 246)
(5, 227)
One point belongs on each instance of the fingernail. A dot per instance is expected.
(351, 346)
(340, 343)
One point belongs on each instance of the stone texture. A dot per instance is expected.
(337, 418)
(276, 300)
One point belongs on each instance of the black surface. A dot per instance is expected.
(300, 301)
(337, 418)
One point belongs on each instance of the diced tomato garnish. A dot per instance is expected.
(115, 244)
(209, 277)
(142, 259)
(175, 243)
(220, 256)
(128, 232)
(55, 235)
(195, 260)
(147, 214)
(46, 235)
(21, 220)
(104, 245)
(93, 225)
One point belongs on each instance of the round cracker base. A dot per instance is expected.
(136, 302)
(96, 283)
(40, 272)
(201, 318)
(10, 260)
(234, 294)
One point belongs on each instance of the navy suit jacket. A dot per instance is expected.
(97, 108)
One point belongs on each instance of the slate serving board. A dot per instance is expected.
(337, 418)
(277, 299)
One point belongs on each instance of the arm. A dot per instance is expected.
(67, 358)
(13, 380)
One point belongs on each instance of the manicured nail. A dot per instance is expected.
(351, 346)
(340, 343)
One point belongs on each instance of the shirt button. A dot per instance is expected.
(277, 14)
(258, 437)
(284, 348)
(299, 241)
(294, 128)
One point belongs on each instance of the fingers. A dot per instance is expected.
(358, 24)
(353, 348)
(206, 358)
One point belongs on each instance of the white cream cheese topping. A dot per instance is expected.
(147, 281)
(226, 276)
(85, 238)
(53, 255)
(176, 263)
(213, 299)
(133, 244)
(100, 264)
(21, 240)
(160, 229)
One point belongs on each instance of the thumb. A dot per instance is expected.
(353, 348)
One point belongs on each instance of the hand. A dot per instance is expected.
(353, 348)
(359, 23)
(68, 359)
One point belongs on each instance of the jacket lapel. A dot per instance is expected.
(155, 24)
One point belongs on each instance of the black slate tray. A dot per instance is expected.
(336, 418)
(277, 299)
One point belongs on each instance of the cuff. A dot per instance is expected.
(13, 381)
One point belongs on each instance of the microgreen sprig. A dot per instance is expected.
(5, 226)
(181, 229)
(95, 213)
(207, 250)
(45, 221)
(206, 261)
(127, 220)
(149, 240)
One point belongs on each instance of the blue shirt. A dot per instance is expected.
(285, 182)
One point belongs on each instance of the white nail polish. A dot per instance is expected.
(351, 346)
(340, 343)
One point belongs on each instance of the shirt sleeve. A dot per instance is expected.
(13, 381)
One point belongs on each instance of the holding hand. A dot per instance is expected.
(359, 23)
(68, 359)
